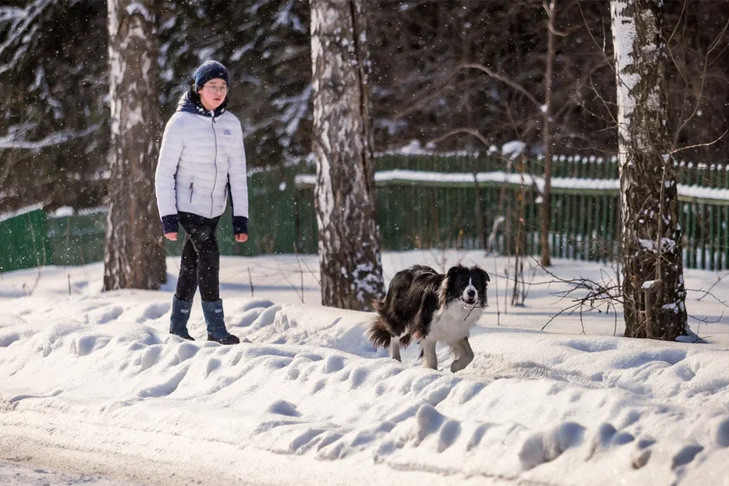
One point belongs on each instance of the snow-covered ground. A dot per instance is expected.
(93, 389)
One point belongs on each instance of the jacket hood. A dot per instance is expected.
(190, 103)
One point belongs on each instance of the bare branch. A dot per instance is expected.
(718, 280)
(710, 294)
(706, 144)
(702, 84)
(604, 103)
(587, 295)
(706, 320)
(504, 80)
(435, 92)
(468, 131)
(675, 29)
(594, 41)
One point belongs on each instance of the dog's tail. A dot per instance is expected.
(405, 340)
(379, 334)
(378, 305)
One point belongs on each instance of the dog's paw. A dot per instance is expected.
(459, 364)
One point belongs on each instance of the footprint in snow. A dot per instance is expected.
(9, 338)
(150, 356)
(154, 311)
(548, 445)
(448, 434)
(165, 388)
(333, 364)
(722, 433)
(427, 421)
(105, 315)
(282, 407)
(84, 345)
(685, 455)
(212, 365)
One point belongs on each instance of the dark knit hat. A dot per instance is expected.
(207, 71)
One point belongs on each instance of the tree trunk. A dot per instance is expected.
(546, 216)
(653, 287)
(349, 247)
(134, 251)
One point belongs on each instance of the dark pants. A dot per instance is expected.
(200, 259)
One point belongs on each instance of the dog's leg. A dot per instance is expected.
(430, 360)
(464, 354)
(395, 349)
(458, 351)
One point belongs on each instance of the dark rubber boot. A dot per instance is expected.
(179, 317)
(215, 319)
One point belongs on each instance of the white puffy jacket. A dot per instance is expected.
(199, 156)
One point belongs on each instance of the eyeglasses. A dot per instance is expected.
(220, 89)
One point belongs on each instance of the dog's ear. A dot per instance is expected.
(481, 272)
(455, 270)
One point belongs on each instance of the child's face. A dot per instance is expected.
(213, 93)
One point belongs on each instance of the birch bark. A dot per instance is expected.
(134, 254)
(546, 207)
(349, 248)
(653, 286)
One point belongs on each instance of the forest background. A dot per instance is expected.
(54, 115)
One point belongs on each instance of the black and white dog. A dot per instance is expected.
(430, 307)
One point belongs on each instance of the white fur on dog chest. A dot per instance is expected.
(453, 323)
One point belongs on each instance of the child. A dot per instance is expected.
(201, 156)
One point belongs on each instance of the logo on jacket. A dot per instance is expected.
(227, 132)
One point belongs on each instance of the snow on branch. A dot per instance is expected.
(137, 8)
(12, 141)
(295, 110)
(285, 17)
(11, 13)
(24, 26)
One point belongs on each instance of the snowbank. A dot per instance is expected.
(92, 383)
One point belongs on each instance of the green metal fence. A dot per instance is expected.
(485, 201)
(425, 201)
(77, 239)
(471, 202)
(23, 240)
(279, 223)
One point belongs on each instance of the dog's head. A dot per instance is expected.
(467, 285)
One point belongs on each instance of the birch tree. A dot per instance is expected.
(653, 286)
(546, 206)
(349, 248)
(134, 256)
